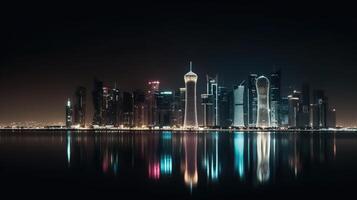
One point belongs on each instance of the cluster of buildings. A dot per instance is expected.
(254, 103)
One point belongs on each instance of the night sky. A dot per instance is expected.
(49, 50)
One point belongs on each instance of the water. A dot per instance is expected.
(177, 165)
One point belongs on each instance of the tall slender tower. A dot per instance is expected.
(69, 114)
(263, 114)
(190, 120)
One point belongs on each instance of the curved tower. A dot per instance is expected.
(190, 120)
(263, 114)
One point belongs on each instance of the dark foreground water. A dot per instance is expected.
(177, 165)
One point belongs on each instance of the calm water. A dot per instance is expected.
(177, 165)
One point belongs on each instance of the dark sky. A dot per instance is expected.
(49, 50)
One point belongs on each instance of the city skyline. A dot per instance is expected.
(45, 58)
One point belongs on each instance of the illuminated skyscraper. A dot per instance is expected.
(225, 106)
(305, 106)
(210, 103)
(294, 109)
(238, 92)
(252, 100)
(190, 120)
(80, 107)
(275, 97)
(263, 114)
(69, 112)
(320, 107)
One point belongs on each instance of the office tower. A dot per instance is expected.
(113, 101)
(275, 98)
(179, 107)
(97, 95)
(165, 108)
(252, 100)
(263, 115)
(225, 99)
(294, 109)
(305, 106)
(128, 109)
(210, 103)
(80, 107)
(331, 118)
(190, 120)
(284, 112)
(207, 106)
(153, 90)
(140, 109)
(238, 92)
(69, 118)
(320, 106)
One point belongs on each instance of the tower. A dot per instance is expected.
(190, 120)
(263, 114)
(238, 93)
(275, 85)
(69, 111)
(80, 107)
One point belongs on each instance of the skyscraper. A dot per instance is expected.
(97, 95)
(275, 98)
(321, 106)
(305, 106)
(179, 107)
(80, 107)
(190, 120)
(153, 90)
(263, 114)
(140, 109)
(225, 100)
(165, 108)
(238, 92)
(69, 112)
(112, 106)
(294, 109)
(252, 100)
(128, 109)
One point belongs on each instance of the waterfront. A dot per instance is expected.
(169, 164)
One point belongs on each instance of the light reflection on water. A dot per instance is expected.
(205, 156)
(185, 160)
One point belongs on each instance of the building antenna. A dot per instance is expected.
(190, 66)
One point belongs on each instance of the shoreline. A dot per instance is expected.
(173, 130)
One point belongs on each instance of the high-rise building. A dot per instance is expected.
(305, 106)
(179, 107)
(275, 98)
(165, 108)
(294, 109)
(225, 100)
(320, 106)
(80, 107)
(263, 114)
(238, 92)
(190, 120)
(97, 95)
(113, 103)
(252, 101)
(69, 114)
(140, 109)
(128, 109)
(210, 102)
(153, 90)
(284, 112)
(331, 118)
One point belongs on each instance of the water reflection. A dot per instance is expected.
(190, 159)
